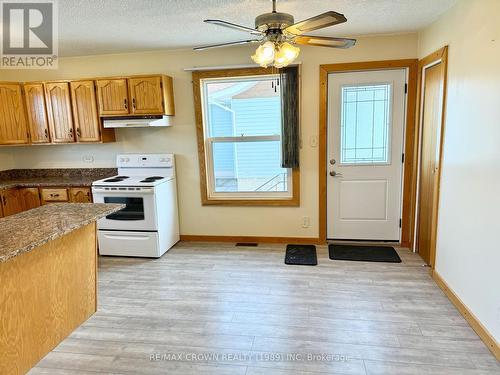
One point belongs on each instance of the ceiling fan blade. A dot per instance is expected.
(233, 26)
(227, 44)
(323, 41)
(318, 22)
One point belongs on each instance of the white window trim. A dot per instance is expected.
(209, 163)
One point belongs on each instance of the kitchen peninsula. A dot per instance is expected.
(48, 275)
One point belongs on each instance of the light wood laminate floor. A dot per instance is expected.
(220, 309)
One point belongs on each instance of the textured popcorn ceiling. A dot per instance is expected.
(88, 27)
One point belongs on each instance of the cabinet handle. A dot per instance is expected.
(78, 132)
(133, 103)
(54, 195)
(46, 133)
(125, 104)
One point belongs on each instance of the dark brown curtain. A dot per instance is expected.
(289, 77)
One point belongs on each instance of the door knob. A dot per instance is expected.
(335, 174)
(333, 161)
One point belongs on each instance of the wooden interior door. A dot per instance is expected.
(10, 202)
(432, 86)
(146, 95)
(29, 198)
(83, 100)
(59, 112)
(13, 126)
(112, 96)
(37, 112)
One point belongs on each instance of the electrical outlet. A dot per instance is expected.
(88, 159)
(306, 222)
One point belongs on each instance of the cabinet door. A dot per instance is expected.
(37, 112)
(10, 202)
(84, 103)
(59, 112)
(80, 195)
(146, 95)
(13, 124)
(29, 198)
(112, 96)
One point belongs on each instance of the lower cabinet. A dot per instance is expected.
(10, 202)
(15, 200)
(80, 195)
(29, 198)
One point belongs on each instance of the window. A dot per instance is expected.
(240, 135)
(365, 124)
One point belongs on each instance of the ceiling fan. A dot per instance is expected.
(277, 33)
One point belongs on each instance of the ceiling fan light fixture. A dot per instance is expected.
(276, 54)
(264, 54)
(279, 34)
(285, 55)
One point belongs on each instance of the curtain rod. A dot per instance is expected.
(221, 67)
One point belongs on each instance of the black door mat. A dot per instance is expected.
(304, 255)
(364, 253)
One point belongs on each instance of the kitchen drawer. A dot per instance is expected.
(54, 195)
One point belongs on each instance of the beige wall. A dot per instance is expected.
(468, 250)
(6, 160)
(181, 140)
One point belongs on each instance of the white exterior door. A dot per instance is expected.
(366, 121)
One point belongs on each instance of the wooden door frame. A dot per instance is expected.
(409, 176)
(438, 57)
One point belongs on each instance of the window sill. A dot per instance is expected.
(288, 202)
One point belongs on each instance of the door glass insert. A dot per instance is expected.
(365, 124)
(134, 208)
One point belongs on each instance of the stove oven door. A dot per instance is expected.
(139, 213)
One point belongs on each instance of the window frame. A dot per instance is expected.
(208, 194)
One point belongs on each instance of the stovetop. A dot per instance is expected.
(122, 180)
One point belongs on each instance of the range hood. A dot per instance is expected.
(136, 121)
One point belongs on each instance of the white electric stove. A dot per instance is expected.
(148, 226)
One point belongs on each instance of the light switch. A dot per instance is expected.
(313, 141)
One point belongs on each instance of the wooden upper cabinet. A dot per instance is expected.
(10, 202)
(112, 96)
(29, 198)
(59, 112)
(13, 124)
(168, 95)
(37, 112)
(146, 95)
(83, 100)
(139, 95)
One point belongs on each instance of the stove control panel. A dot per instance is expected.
(145, 161)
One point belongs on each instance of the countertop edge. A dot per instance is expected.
(65, 231)
(18, 185)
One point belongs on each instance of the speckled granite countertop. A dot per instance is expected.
(46, 181)
(53, 177)
(27, 230)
